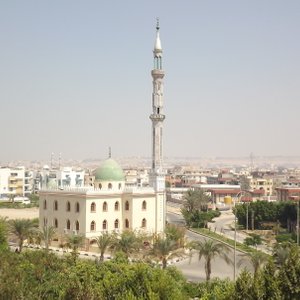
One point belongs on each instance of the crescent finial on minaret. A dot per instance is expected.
(157, 23)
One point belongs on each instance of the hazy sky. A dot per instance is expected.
(75, 77)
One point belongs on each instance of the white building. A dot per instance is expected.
(15, 182)
(106, 204)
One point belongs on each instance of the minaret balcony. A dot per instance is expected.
(157, 73)
(157, 117)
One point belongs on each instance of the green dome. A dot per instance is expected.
(109, 171)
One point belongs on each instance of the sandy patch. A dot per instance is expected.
(22, 213)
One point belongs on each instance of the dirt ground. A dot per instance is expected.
(21, 213)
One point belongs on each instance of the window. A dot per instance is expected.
(117, 205)
(109, 186)
(45, 204)
(104, 225)
(120, 185)
(77, 225)
(144, 205)
(68, 224)
(93, 226)
(116, 224)
(68, 206)
(93, 207)
(55, 205)
(144, 223)
(104, 207)
(55, 223)
(127, 205)
(77, 207)
(100, 186)
(126, 223)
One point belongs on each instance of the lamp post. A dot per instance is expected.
(234, 249)
(298, 221)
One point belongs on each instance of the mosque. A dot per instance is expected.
(109, 205)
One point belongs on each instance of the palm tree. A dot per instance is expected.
(127, 242)
(209, 249)
(195, 200)
(104, 241)
(47, 234)
(164, 249)
(74, 242)
(21, 228)
(257, 259)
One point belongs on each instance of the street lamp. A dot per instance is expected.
(238, 195)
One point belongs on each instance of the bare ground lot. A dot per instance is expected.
(21, 213)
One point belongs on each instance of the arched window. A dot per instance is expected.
(109, 186)
(93, 226)
(144, 223)
(104, 207)
(116, 224)
(120, 185)
(144, 205)
(45, 204)
(126, 205)
(93, 207)
(55, 205)
(100, 186)
(126, 223)
(68, 224)
(68, 206)
(104, 225)
(77, 225)
(77, 207)
(117, 206)
(55, 223)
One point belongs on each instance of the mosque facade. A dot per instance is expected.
(109, 205)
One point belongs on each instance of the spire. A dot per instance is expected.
(157, 46)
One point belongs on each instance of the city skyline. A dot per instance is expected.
(76, 78)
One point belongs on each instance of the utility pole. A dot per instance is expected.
(252, 221)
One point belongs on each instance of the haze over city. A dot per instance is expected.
(75, 78)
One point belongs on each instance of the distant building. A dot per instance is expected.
(15, 182)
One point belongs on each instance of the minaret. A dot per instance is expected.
(157, 175)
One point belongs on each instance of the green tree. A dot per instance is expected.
(3, 233)
(47, 234)
(253, 240)
(244, 287)
(176, 234)
(270, 282)
(289, 275)
(127, 242)
(209, 249)
(163, 249)
(21, 228)
(257, 260)
(74, 242)
(194, 200)
(104, 241)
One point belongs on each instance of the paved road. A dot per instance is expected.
(193, 269)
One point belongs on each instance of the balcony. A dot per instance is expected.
(157, 117)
